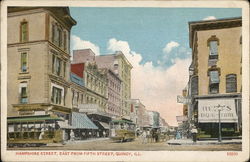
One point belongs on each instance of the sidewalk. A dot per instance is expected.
(208, 142)
(76, 141)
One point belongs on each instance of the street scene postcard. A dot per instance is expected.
(124, 81)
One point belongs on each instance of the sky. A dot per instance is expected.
(154, 40)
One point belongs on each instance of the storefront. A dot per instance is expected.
(212, 110)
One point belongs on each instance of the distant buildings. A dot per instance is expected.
(215, 79)
(119, 64)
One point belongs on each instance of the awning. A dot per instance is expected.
(33, 118)
(101, 125)
(105, 125)
(81, 121)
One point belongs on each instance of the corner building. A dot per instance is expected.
(215, 82)
(39, 61)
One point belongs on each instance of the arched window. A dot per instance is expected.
(24, 31)
(231, 83)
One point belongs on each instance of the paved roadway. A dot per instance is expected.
(136, 145)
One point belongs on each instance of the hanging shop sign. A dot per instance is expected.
(208, 111)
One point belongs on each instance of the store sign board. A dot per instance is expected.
(208, 111)
(183, 100)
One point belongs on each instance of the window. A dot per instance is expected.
(64, 69)
(24, 97)
(231, 83)
(23, 93)
(56, 96)
(214, 82)
(58, 66)
(213, 43)
(24, 31)
(24, 62)
(57, 35)
(65, 40)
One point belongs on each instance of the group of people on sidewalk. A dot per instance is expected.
(147, 136)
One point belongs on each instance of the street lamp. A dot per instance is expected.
(219, 139)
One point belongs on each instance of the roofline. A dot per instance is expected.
(212, 24)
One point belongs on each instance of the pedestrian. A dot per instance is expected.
(194, 134)
(144, 137)
(72, 135)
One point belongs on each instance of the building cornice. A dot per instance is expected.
(211, 25)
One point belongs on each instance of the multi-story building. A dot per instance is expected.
(94, 100)
(39, 60)
(120, 65)
(154, 118)
(114, 92)
(215, 82)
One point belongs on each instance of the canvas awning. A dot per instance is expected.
(101, 125)
(33, 118)
(81, 121)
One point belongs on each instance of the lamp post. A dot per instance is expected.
(219, 139)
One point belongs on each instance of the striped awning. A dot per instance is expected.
(81, 121)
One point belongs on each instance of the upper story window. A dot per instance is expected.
(213, 43)
(56, 96)
(24, 31)
(24, 62)
(23, 93)
(58, 66)
(65, 40)
(59, 36)
(231, 83)
(214, 81)
(213, 50)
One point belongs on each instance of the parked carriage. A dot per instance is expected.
(122, 130)
(33, 130)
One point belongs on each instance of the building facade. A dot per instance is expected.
(120, 65)
(95, 86)
(138, 114)
(114, 93)
(39, 60)
(215, 82)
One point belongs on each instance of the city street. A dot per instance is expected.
(136, 145)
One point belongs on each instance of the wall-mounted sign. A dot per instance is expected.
(183, 100)
(208, 111)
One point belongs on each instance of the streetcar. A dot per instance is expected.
(38, 130)
(122, 130)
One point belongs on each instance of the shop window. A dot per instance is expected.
(214, 82)
(24, 62)
(24, 31)
(23, 93)
(231, 83)
(56, 97)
